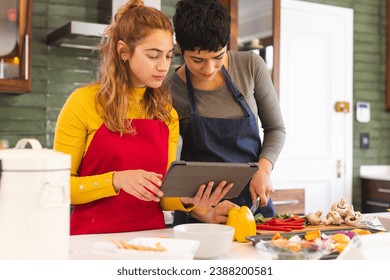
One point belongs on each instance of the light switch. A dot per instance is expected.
(364, 140)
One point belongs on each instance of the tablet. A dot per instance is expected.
(184, 178)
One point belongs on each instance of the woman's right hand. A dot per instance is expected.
(214, 215)
(206, 196)
(142, 184)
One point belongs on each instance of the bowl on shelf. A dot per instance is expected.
(282, 249)
(215, 239)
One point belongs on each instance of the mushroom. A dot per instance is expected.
(353, 218)
(333, 218)
(341, 207)
(315, 218)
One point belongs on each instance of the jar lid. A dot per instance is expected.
(34, 159)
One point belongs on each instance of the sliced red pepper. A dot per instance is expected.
(295, 219)
(296, 227)
(284, 225)
(274, 228)
(288, 220)
(278, 223)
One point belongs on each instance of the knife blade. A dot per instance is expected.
(255, 205)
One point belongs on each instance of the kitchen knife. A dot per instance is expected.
(255, 205)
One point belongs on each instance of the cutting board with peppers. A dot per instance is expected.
(293, 225)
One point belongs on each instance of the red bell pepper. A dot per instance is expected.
(274, 228)
(280, 224)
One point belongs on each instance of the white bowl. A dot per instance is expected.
(215, 240)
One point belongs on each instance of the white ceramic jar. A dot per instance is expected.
(34, 202)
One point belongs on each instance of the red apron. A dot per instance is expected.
(108, 151)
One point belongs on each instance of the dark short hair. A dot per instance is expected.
(201, 24)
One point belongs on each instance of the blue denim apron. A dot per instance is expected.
(222, 140)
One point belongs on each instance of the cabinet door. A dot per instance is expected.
(15, 45)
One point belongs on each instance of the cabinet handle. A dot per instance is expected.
(370, 202)
(286, 202)
(26, 45)
(381, 190)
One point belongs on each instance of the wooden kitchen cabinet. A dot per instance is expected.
(375, 195)
(15, 46)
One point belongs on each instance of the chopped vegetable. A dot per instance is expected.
(259, 218)
(361, 231)
(312, 235)
(350, 234)
(341, 238)
(340, 246)
(273, 228)
(277, 236)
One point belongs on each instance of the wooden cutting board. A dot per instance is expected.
(309, 228)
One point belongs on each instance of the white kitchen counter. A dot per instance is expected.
(375, 172)
(81, 245)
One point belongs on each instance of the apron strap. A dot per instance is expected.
(236, 93)
(190, 92)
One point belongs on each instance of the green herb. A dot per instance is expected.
(259, 218)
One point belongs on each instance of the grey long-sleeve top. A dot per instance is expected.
(250, 75)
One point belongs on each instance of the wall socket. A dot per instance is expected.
(364, 140)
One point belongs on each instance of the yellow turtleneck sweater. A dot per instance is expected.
(76, 126)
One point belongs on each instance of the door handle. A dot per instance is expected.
(338, 168)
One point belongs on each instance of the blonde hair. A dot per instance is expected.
(132, 23)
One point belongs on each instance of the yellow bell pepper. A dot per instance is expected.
(340, 246)
(312, 235)
(243, 222)
(361, 231)
(340, 238)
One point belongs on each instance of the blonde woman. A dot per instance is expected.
(122, 131)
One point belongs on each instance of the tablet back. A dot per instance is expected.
(183, 178)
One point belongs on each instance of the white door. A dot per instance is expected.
(316, 50)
